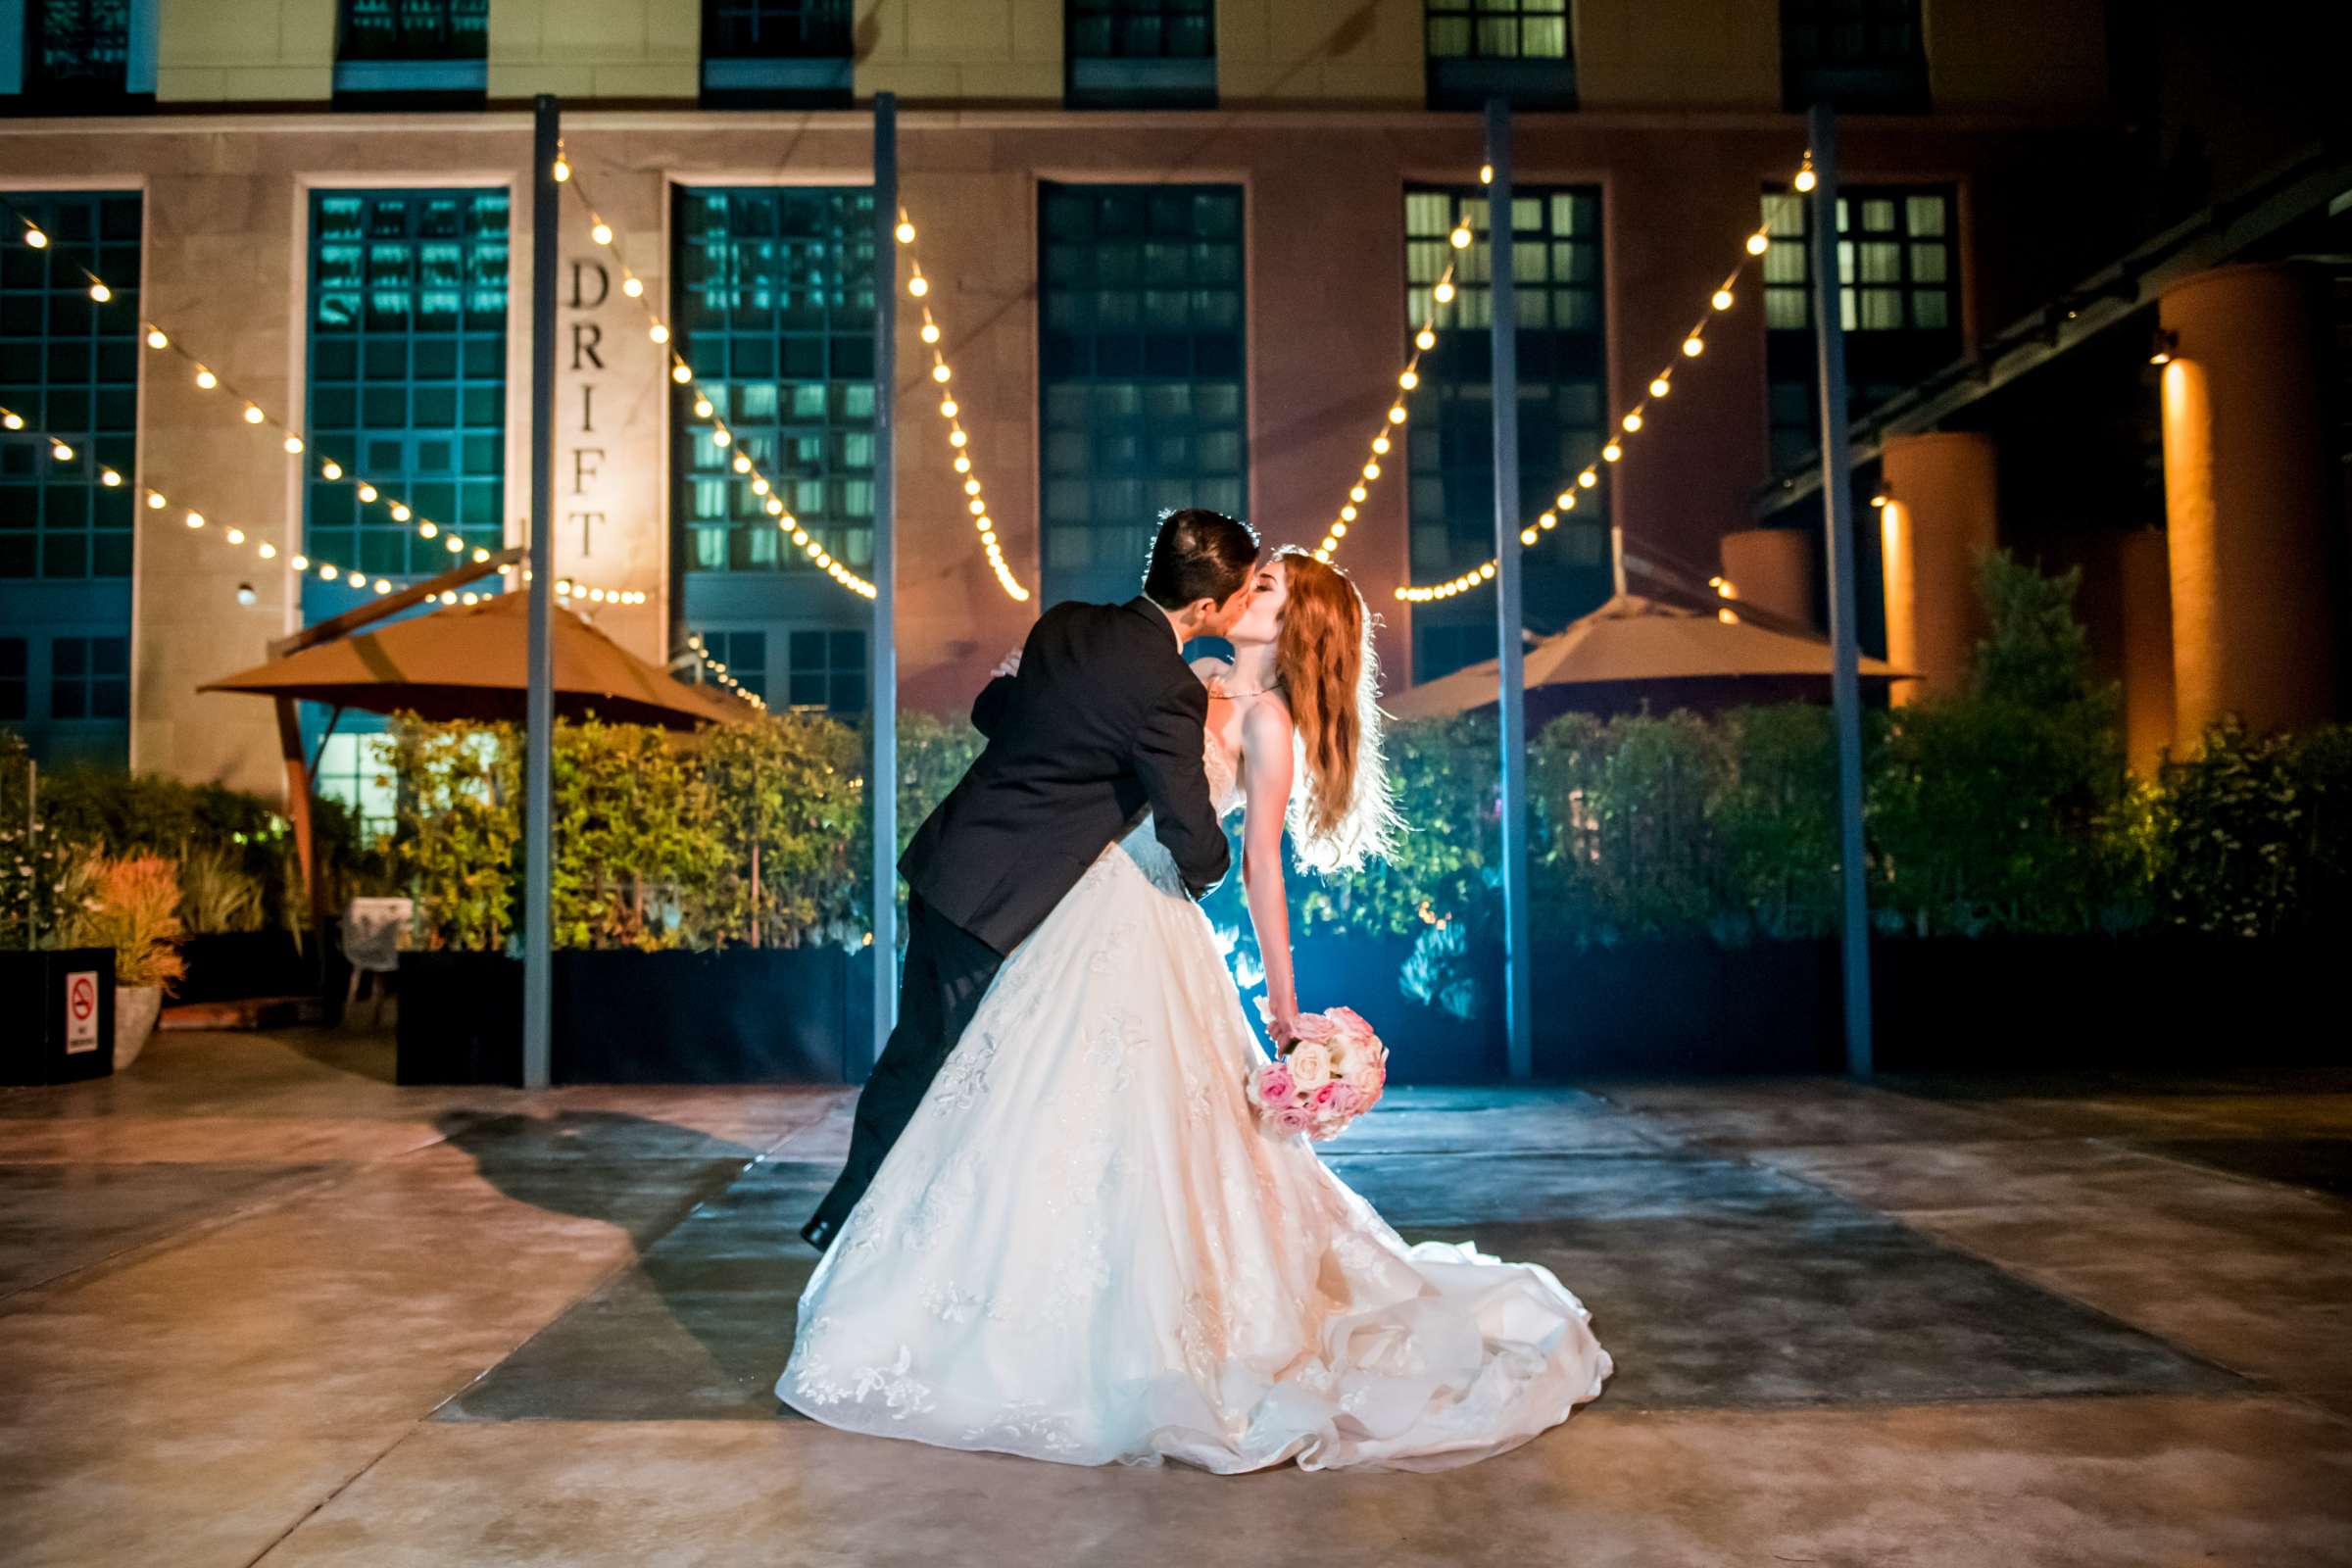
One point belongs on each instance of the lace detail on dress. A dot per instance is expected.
(1083, 1248)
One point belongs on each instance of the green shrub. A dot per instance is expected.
(457, 849)
(2253, 834)
(2005, 807)
(746, 834)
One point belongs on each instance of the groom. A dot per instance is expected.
(1097, 717)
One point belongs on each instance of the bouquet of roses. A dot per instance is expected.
(1333, 1074)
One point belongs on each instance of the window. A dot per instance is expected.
(775, 313)
(354, 768)
(817, 667)
(1450, 445)
(425, 51)
(1856, 54)
(407, 378)
(1142, 360)
(827, 670)
(69, 369)
(745, 653)
(15, 679)
(1898, 301)
(79, 56)
(777, 52)
(89, 678)
(1150, 53)
(1515, 49)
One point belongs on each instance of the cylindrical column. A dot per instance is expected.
(2245, 499)
(2144, 589)
(1773, 568)
(1941, 516)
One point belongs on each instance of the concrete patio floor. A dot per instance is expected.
(259, 1306)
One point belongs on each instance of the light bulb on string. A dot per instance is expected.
(206, 378)
(1722, 299)
(101, 293)
(633, 286)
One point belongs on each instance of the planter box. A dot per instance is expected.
(59, 1009)
(735, 1016)
(461, 1019)
(1426, 1045)
(2157, 1000)
(232, 965)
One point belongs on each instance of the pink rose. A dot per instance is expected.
(1294, 1118)
(1322, 1096)
(1274, 1085)
(1340, 1100)
(1315, 1026)
(1346, 1020)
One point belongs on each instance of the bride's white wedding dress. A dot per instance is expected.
(1085, 1247)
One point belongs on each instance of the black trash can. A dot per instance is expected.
(57, 1015)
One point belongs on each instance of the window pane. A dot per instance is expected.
(777, 320)
(1141, 403)
(408, 394)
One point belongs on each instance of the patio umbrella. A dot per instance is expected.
(467, 662)
(1634, 647)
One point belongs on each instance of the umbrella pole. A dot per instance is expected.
(538, 922)
(298, 809)
(882, 679)
(1838, 515)
(1510, 620)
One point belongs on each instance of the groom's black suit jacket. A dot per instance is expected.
(1103, 719)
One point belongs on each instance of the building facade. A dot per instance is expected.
(1176, 253)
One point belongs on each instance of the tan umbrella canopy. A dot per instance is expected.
(1634, 641)
(468, 661)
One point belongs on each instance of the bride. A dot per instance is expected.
(1085, 1247)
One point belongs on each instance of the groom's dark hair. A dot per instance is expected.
(1198, 555)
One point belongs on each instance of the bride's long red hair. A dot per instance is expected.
(1341, 813)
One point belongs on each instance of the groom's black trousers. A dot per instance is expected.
(948, 972)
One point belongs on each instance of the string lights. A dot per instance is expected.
(1623, 429)
(721, 435)
(718, 672)
(1425, 338)
(289, 439)
(958, 439)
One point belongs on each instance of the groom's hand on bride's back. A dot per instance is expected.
(1011, 666)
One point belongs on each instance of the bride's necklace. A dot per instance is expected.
(1230, 692)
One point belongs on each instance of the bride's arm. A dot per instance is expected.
(1266, 763)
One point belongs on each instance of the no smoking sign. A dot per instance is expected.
(82, 1010)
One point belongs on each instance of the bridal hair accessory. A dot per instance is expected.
(1332, 1074)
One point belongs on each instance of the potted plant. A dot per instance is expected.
(134, 908)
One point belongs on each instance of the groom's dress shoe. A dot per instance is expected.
(818, 1232)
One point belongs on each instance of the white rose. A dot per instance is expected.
(1310, 1065)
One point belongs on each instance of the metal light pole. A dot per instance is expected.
(1837, 512)
(1518, 996)
(539, 732)
(882, 669)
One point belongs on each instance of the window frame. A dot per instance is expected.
(484, 363)
(1085, 438)
(1130, 77)
(1560, 366)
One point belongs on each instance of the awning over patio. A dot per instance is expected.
(468, 661)
(1634, 641)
